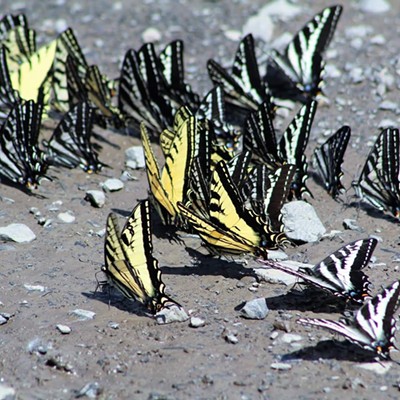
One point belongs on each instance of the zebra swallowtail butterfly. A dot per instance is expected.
(297, 73)
(373, 325)
(341, 272)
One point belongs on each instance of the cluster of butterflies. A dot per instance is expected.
(224, 183)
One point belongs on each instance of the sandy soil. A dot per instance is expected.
(140, 359)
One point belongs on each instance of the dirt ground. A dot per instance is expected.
(124, 351)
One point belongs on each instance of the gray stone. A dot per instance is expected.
(277, 255)
(255, 309)
(134, 157)
(196, 322)
(374, 6)
(19, 233)
(3, 320)
(290, 338)
(34, 288)
(356, 75)
(112, 185)
(388, 105)
(282, 9)
(97, 198)
(64, 329)
(66, 217)
(6, 392)
(91, 390)
(260, 26)
(233, 34)
(171, 314)
(380, 367)
(83, 315)
(302, 222)
(281, 366)
(151, 34)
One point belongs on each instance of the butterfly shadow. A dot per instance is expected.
(371, 211)
(6, 182)
(307, 299)
(207, 264)
(331, 350)
(110, 296)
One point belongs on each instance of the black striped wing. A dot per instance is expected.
(297, 73)
(21, 159)
(379, 183)
(341, 272)
(173, 70)
(70, 144)
(243, 86)
(129, 262)
(293, 144)
(373, 326)
(328, 160)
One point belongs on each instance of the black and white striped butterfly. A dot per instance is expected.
(379, 182)
(373, 325)
(70, 145)
(21, 159)
(243, 87)
(328, 160)
(297, 73)
(341, 272)
(260, 138)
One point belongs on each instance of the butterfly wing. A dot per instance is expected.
(328, 160)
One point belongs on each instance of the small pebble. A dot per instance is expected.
(34, 288)
(352, 225)
(281, 366)
(3, 320)
(374, 6)
(83, 314)
(196, 322)
(112, 185)
(64, 329)
(66, 217)
(91, 390)
(97, 198)
(134, 157)
(171, 314)
(255, 309)
(7, 392)
(152, 35)
(19, 233)
(113, 325)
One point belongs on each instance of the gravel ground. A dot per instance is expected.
(122, 353)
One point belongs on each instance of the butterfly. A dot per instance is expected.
(341, 272)
(260, 138)
(70, 145)
(267, 191)
(297, 73)
(328, 159)
(21, 159)
(17, 38)
(172, 184)
(129, 262)
(231, 228)
(373, 325)
(243, 87)
(379, 183)
(172, 68)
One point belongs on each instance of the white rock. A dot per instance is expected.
(97, 198)
(290, 338)
(151, 34)
(61, 25)
(357, 43)
(378, 40)
(374, 6)
(19, 233)
(64, 329)
(387, 123)
(331, 71)
(277, 255)
(196, 322)
(6, 392)
(359, 31)
(260, 26)
(3, 320)
(134, 157)
(377, 367)
(281, 366)
(274, 276)
(388, 105)
(302, 222)
(34, 288)
(233, 34)
(356, 75)
(171, 314)
(83, 315)
(66, 217)
(255, 309)
(281, 9)
(112, 185)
